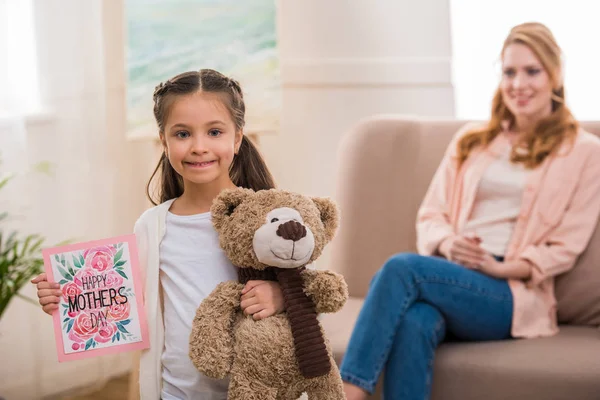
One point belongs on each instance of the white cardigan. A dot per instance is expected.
(149, 230)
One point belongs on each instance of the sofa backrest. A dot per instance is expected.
(385, 165)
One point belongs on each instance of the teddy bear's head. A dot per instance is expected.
(273, 228)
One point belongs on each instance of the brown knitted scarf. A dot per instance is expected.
(309, 343)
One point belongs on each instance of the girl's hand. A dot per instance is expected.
(262, 299)
(48, 292)
(463, 250)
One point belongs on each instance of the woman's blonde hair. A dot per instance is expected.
(547, 135)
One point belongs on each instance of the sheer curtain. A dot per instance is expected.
(18, 63)
(479, 28)
(62, 101)
(19, 94)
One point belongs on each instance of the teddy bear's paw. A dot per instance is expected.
(328, 290)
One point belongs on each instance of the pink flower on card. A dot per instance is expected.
(70, 290)
(83, 276)
(112, 279)
(105, 332)
(99, 258)
(84, 327)
(119, 312)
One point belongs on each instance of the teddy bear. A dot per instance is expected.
(271, 235)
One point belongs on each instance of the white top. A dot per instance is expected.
(191, 265)
(149, 230)
(497, 204)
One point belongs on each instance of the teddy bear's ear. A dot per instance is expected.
(329, 215)
(226, 202)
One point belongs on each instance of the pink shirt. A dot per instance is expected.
(559, 211)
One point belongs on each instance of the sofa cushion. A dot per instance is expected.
(561, 367)
(386, 163)
(577, 292)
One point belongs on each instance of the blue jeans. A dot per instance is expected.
(412, 302)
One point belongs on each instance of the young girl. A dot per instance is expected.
(200, 116)
(512, 205)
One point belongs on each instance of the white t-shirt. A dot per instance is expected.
(497, 203)
(191, 265)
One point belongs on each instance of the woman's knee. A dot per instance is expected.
(426, 320)
(400, 263)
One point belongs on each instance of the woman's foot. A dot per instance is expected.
(354, 392)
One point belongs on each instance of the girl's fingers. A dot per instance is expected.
(41, 277)
(48, 309)
(253, 309)
(44, 301)
(48, 292)
(48, 285)
(266, 313)
(248, 302)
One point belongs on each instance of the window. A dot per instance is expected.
(480, 27)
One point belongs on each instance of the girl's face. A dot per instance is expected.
(200, 138)
(526, 86)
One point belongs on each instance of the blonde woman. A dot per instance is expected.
(512, 205)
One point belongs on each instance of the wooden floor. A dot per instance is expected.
(115, 389)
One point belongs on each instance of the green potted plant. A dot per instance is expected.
(20, 260)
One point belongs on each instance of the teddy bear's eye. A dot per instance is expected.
(274, 220)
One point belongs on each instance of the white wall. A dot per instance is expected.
(344, 60)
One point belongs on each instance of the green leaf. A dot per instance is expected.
(125, 322)
(70, 325)
(120, 272)
(89, 343)
(44, 167)
(5, 180)
(65, 274)
(120, 263)
(56, 258)
(62, 282)
(66, 319)
(94, 343)
(122, 328)
(118, 256)
(62, 260)
(118, 337)
(114, 338)
(76, 262)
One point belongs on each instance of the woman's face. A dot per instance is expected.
(526, 85)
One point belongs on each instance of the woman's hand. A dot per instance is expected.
(491, 267)
(515, 269)
(463, 250)
(262, 299)
(48, 292)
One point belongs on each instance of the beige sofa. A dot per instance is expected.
(385, 166)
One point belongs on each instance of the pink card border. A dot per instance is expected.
(134, 260)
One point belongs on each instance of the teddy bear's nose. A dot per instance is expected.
(291, 230)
